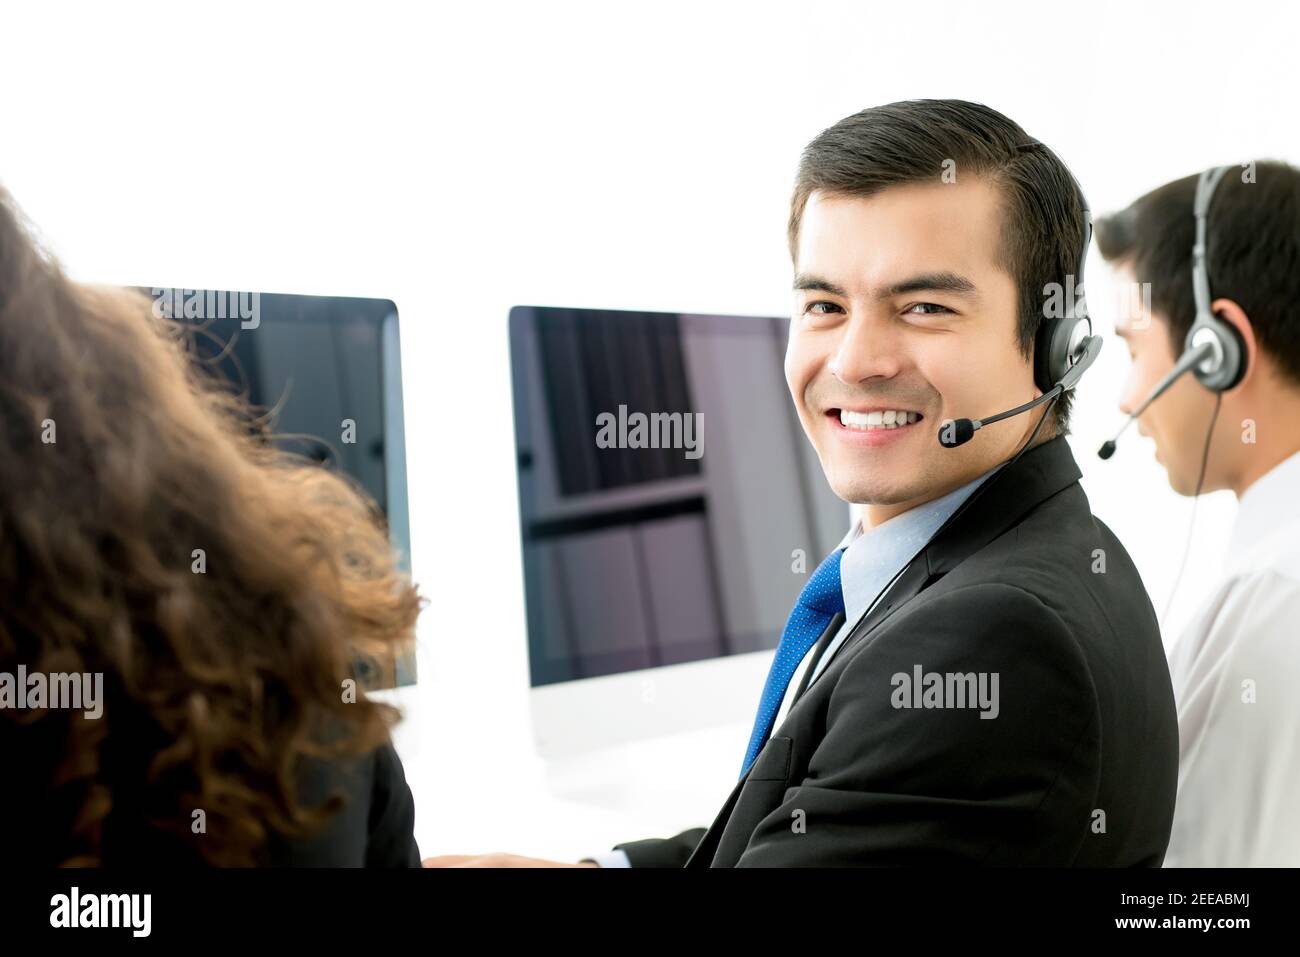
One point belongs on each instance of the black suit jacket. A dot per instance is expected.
(1079, 767)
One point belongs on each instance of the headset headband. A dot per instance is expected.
(1205, 187)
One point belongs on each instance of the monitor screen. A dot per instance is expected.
(327, 372)
(670, 505)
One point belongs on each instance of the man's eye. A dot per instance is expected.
(820, 302)
(929, 309)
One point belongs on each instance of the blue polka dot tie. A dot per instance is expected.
(819, 602)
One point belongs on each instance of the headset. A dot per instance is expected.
(1064, 346)
(1214, 350)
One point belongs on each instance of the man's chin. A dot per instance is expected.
(1178, 481)
(859, 493)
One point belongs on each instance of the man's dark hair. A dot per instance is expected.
(1252, 253)
(913, 141)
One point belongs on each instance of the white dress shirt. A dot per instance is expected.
(869, 564)
(1236, 677)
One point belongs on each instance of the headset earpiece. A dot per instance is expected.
(1057, 347)
(1225, 367)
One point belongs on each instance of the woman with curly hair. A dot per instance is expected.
(228, 732)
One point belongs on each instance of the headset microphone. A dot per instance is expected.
(1188, 359)
(1213, 350)
(955, 432)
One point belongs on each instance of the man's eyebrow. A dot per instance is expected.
(931, 282)
(924, 282)
(807, 281)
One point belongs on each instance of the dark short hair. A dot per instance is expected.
(907, 142)
(1252, 251)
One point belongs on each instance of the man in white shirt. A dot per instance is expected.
(1236, 669)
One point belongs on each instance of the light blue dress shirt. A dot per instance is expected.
(872, 559)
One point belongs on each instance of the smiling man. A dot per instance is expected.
(975, 675)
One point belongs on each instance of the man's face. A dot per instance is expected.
(900, 307)
(1177, 421)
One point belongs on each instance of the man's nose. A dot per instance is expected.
(1131, 393)
(865, 350)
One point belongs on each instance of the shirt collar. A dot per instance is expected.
(873, 556)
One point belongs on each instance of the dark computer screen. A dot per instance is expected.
(326, 370)
(665, 487)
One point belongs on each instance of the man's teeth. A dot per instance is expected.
(877, 420)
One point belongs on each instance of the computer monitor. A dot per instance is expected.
(670, 510)
(328, 371)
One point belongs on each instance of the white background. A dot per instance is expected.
(612, 155)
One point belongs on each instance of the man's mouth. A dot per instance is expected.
(876, 419)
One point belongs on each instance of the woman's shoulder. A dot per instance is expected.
(375, 826)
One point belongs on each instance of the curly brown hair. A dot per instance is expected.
(119, 457)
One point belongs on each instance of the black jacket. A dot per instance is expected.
(375, 827)
(1079, 767)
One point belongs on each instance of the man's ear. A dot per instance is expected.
(1231, 313)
